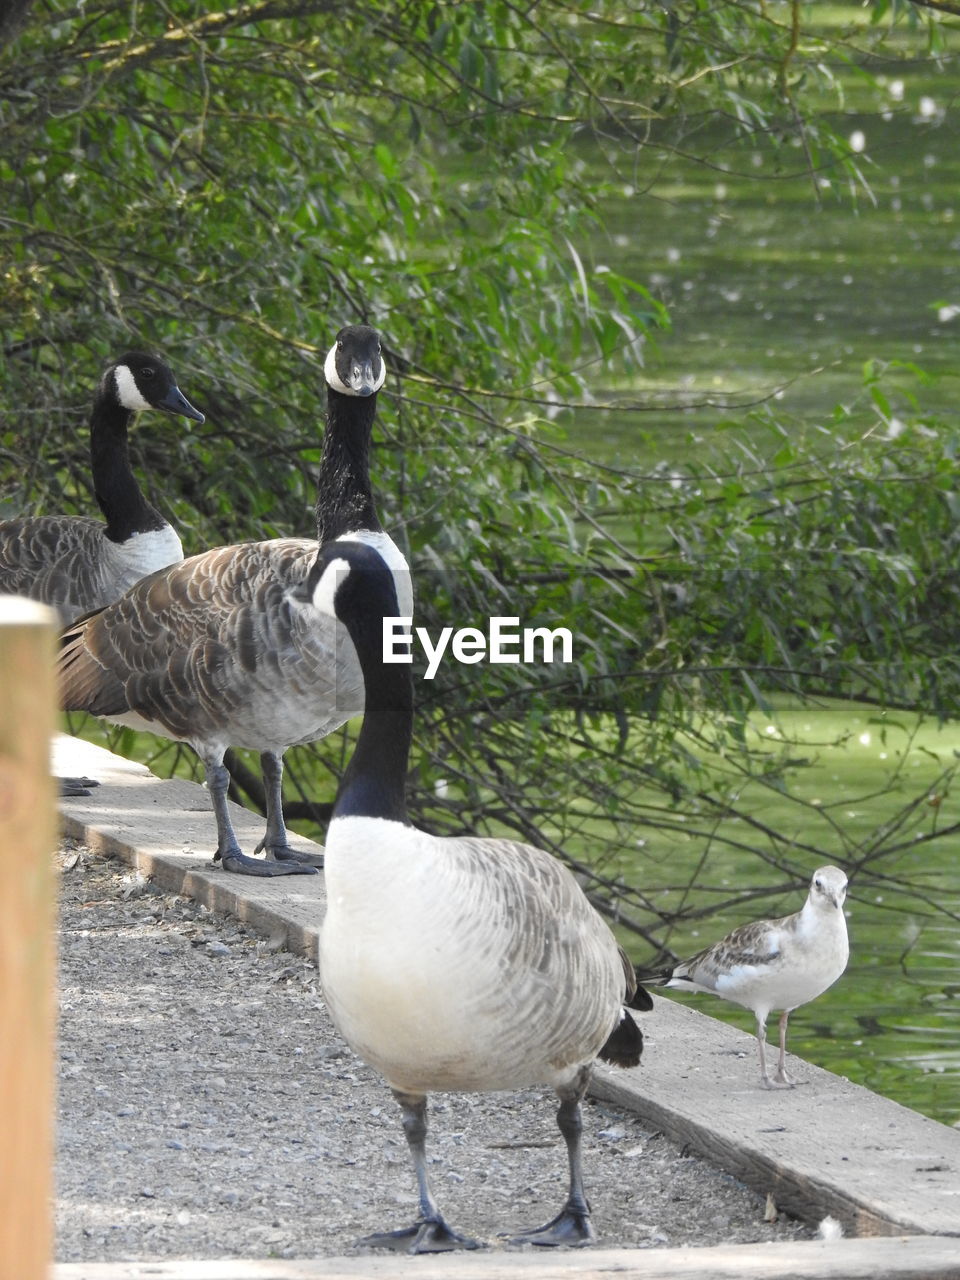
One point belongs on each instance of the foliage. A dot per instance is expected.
(232, 185)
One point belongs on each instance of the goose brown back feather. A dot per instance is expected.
(197, 647)
(56, 559)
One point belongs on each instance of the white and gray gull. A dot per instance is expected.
(76, 563)
(454, 962)
(772, 964)
(221, 650)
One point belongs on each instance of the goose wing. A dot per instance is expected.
(55, 559)
(544, 935)
(181, 647)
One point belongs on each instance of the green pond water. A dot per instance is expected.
(893, 1021)
(775, 291)
(767, 288)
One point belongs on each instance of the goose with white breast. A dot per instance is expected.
(76, 563)
(454, 963)
(222, 651)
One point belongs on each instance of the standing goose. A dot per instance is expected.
(76, 563)
(453, 963)
(773, 964)
(220, 650)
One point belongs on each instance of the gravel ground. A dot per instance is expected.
(208, 1109)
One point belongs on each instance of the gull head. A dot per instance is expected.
(828, 887)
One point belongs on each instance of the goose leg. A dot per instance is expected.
(228, 851)
(572, 1224)
(429, 1233)
(767, 1081)
(275, 837)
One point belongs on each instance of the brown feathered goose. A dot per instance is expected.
(221, 651)
(454, 963)
(76, 563)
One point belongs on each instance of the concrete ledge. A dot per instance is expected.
(166, 829)
(827, 1147)
(912, 1258)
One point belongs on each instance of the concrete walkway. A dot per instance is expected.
(908, 1258)
(828, 1147)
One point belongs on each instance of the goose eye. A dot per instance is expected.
(147, 372)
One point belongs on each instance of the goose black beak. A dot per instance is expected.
(363, 381)
(174, 401)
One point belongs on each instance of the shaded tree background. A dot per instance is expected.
(232, 186)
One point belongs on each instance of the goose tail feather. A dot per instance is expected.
(84, 683)
(624, 1045)
(640, 999)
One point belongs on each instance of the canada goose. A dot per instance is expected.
(773, 964)
(453, 963)
(219, 651)
(76, 563)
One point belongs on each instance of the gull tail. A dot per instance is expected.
(654, 977)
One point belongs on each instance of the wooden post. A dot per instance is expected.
(28, 835)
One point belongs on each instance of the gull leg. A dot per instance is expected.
(228, 851)
(274, 840)
(429, 1233)
(781, 1077)
(572, 1224)
(767, 1081)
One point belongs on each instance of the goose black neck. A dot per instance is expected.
(344, 497)
(124, 507)
(374, 784)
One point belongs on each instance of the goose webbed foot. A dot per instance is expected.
(426, 1235)
(284, 853)
(237, 862)
(76, 786)
(571, 1226)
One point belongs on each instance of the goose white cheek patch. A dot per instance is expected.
(331, 375)
(128, 393)
(326, 588)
